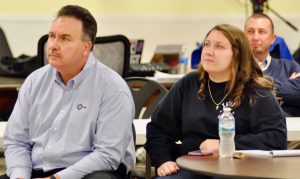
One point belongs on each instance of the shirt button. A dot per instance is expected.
(49, 147)
(55, 128)
(62, 111)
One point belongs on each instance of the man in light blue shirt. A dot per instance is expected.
(73, 117)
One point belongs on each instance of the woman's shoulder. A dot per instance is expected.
(263, 90)
(186, 83)
(257, 91)
(193, 75)
(262, 93)
(283, 63)
(191, 78)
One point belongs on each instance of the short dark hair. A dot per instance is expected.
(262, 15)
(88, 21)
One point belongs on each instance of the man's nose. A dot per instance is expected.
(52, 44)
(255, 35)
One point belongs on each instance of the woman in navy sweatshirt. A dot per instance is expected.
(228, 75)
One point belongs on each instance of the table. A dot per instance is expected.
(140, 130)
(250, 167)
(2, 128)
(293, 127)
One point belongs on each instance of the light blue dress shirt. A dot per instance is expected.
(84, 126)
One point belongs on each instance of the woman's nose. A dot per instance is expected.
(207, 51)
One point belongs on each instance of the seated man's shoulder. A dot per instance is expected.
(285, 62)
(40, 74)
(110, 79)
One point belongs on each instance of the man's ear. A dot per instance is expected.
(87, 48)
(274, 36)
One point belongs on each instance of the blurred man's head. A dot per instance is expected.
(71, 38)
(259, 29)
(89, 24)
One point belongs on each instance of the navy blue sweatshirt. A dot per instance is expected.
(183, 116)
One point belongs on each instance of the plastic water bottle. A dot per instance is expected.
(182, 65)
(226, 133)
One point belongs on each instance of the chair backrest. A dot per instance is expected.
(41, 50)
(4, 47)
(113, 51)
(146, 94)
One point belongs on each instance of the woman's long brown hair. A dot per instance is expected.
(244, 70)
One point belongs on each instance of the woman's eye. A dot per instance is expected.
(206, 44)
(219, 46)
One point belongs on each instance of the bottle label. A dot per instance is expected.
(226, 126)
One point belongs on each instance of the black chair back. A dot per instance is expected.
(146, 94)
(113, 51)
(4, 47)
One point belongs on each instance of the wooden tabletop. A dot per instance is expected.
(249, 167)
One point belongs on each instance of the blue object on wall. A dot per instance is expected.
(280, 50)
(195, 57)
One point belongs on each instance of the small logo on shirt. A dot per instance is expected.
(80, 106)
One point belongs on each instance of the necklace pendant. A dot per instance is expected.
(217, 107)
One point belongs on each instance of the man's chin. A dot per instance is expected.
(257, 52)
(53, 64)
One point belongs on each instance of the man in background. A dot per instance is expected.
(73, 117)
(259, 29)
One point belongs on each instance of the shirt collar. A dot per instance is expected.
(265, 63)
(76, 80)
